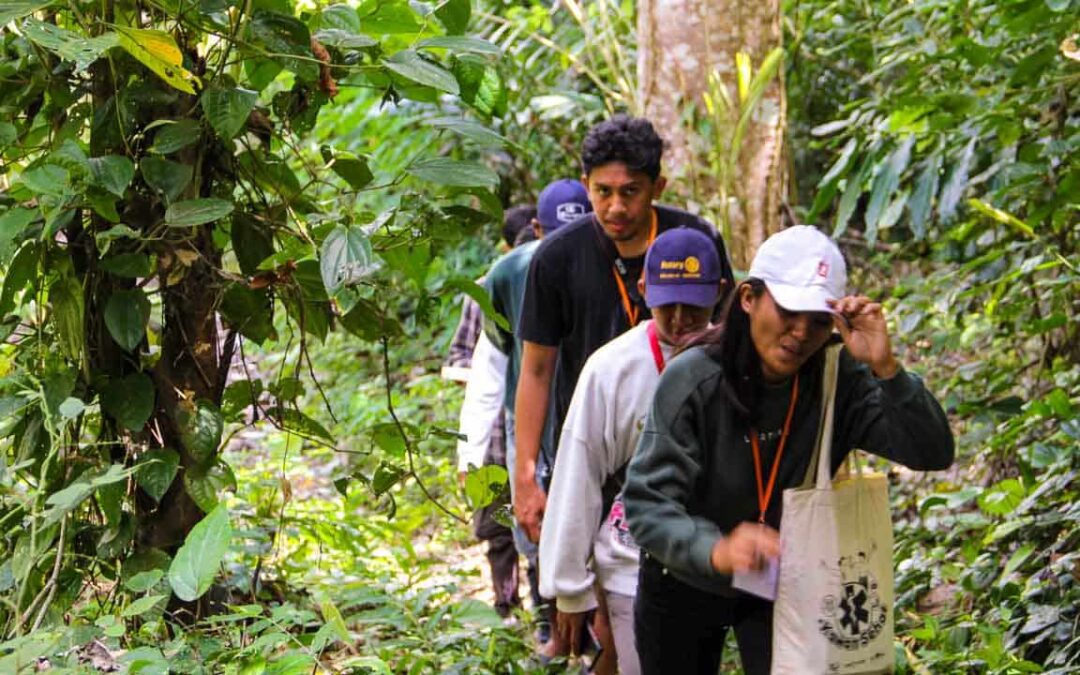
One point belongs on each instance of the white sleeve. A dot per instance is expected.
(483, 402)
(572, 516)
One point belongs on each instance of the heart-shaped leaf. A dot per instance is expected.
(156, 471)
(126, 314)
(227, 109)
(129, 400)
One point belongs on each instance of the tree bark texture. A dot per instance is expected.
(680, 42)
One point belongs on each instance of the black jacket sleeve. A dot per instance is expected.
(897, 419)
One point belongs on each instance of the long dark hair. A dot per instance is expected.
(730, 344)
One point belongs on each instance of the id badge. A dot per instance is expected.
(761, 583)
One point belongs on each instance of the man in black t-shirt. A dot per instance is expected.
(582, 289)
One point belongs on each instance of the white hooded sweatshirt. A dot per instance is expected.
(599, 435)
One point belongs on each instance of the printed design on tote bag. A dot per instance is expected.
(854, 617)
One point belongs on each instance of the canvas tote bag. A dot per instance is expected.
(834, 604)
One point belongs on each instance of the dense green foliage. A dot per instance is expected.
(953, 160)
(164, 164)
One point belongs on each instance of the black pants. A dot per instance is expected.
(680, 629)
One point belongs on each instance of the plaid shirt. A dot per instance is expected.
(468, 332)
(461, 350)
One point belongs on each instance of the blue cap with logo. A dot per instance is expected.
(561, 203)
(682, 266)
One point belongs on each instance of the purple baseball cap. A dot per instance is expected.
(682, 266)
(561, 203)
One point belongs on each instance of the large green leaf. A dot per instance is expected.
(293, 420)
(344, 258)
(454, 15)
(387, 17)
(66, 297)
(129, 400)
(193, 212)
(12, 223)
(126, 314)
(481, 86)
(485, 484)
(954, 186)
(196, 563)
(343, 39)
(389, 439)
(165, 176)
(460, 43)
(112, 172)
(883, 186)
(411, 66)
(47, 180)
(200, 425)
(353, 169)
(826, 187)
(156, 470)
(227, 109)
(850, 198)
(64, 501)
(281, 35)
(455, 172)
(925, 189)
(207, 487)
(174, 136)
(252, 241)
(367, 322)
(157, 51)
(67, 45)
(143, 605)
(21, 271)
(249, 311)
(471, 130)
(129, 265)
(10, 11)
(340, 17)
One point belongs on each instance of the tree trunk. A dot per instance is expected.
(680, 42)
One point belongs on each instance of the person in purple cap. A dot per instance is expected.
(585, 540)
(734, 422)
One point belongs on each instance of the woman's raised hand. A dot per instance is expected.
(861, 323)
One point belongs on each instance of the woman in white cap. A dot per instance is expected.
(734, 422)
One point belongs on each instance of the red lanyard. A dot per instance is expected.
(654, 344)
(765, 492)
(632, 313)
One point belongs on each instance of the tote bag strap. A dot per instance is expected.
(823, 445)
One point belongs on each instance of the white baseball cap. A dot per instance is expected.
(802, 268)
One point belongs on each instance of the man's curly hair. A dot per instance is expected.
(630, 140)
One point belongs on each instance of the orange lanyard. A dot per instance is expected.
(765, 492)
(632, 310)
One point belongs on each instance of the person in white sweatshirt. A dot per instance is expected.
(585, 544)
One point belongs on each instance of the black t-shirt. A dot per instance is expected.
(572, 301)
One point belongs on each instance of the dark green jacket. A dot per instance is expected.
(692, 478)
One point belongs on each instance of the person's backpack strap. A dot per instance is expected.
(611, 489)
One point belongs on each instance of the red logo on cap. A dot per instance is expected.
(823, 269)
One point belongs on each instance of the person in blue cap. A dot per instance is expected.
(585, 541)
(496, 370)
